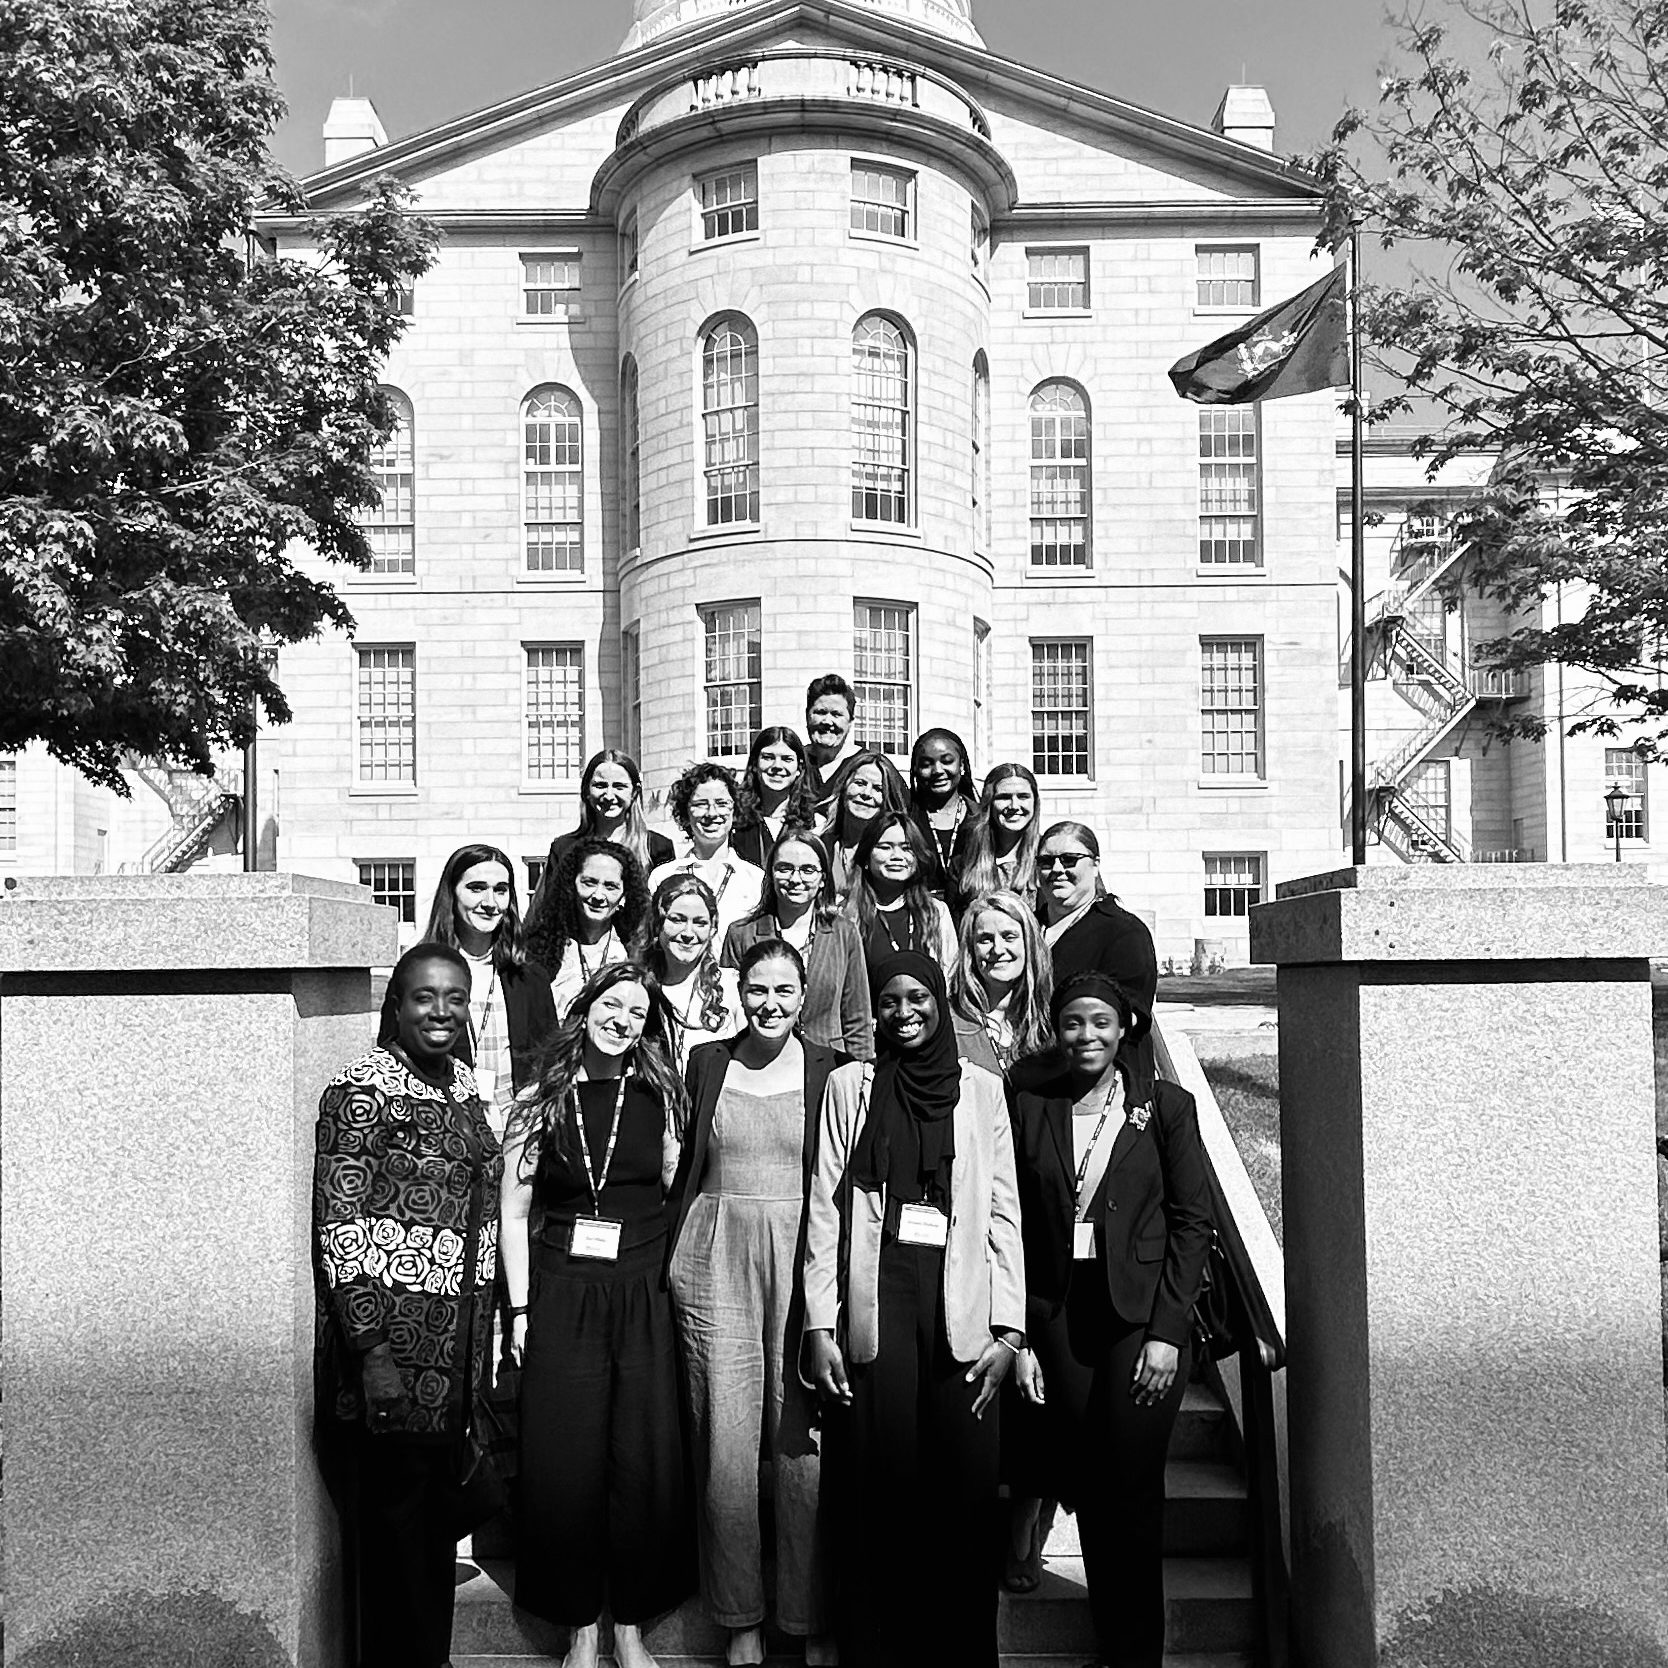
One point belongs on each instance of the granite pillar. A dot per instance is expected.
(163, 1042)
(1475, 1368)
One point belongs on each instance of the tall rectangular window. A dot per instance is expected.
(549, 286)
(1233, 882)
(1227, 276)
(631, 688)
(1231, 706)
(387, 715)
(881, 200)
(8, 807)
(730, 420)
(555, 711)
(1228, 487)
(979, 240)
(881, 439)
(883, 661)
(1060, 698)
(1059, 477)
(628, 248)
(1429, 791)
(392, 882)
(983, 708)
(1057, 280)
(553, 476)
(729, 202)
(734, 668)
(1624, 768)
(391, 528)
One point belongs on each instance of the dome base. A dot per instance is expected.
(656, 18)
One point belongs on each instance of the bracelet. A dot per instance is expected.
(1016, 1348)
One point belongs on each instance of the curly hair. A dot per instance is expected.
(708, 984)
(539, 1118)
(1028, 1010)
(682, 791)
(509, 942)
(918, 900)
(894, 794)
(558, 923)
(827, 901)
(979, 873)
(801, 804)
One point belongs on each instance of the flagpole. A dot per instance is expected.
(1357, 572)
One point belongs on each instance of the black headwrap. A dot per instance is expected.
(908, 1138)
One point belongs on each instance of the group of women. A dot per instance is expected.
(822, 1145)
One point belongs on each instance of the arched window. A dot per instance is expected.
(554, 478)
(730, 419)
(981, 452)
(391, 528)
(1059, 477)
(881, 439)
(631, 455)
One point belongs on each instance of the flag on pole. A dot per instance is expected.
(1295, 348)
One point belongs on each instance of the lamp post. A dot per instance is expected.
(1614, 800)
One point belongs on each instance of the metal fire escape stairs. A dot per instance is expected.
(197, 807)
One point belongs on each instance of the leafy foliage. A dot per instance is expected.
(175, 408)
(1518, 157)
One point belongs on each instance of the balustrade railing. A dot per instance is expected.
(889, 83)
(730, 85)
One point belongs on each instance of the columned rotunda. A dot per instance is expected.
(810, 335)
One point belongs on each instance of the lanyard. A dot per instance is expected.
(1116, 1091)
(886, 927)
(585, 971)
(597, 1184)
(810, 931)
(476, 1032)
(945, 838)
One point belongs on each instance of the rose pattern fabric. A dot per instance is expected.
(405, 1213)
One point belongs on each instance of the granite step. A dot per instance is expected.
(1202, 1426)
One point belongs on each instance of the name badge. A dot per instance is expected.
(1082, 1241)
(596, 1238)
(922, 1225)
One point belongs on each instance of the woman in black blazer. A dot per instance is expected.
(737, 1208)
(1115, 1213)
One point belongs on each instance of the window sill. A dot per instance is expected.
(704, 243)
(357, 581)
(883, 237)
(1065, 784)
(1070, 313)
(726, 530)
(544, 321)
(1060, 576)
(626, 282)
(555, 581)
(545, 790)
(886, 530)
(1227, 312)
(384, 790)
(1233, 570)
(1233, 784)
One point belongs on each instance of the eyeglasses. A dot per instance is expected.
(804, 871)
(1067, 860)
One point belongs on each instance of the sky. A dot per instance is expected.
(426, 61)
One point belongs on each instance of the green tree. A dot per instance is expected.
(1517, 165)
(175, 408)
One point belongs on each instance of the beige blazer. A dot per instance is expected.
(984, 1264)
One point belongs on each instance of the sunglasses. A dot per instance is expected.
(1067, 860)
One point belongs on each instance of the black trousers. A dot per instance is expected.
(605, 1515)
(402, 1517)
(1106, 1458)
(916, 1475)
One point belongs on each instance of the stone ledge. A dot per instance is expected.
(150, 923)
(1474, 913)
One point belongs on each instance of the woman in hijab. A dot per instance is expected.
(914, 1310)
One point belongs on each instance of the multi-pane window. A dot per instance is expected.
(730, 420)
(393, 883)
(979, 240)
(880, 421)
(1057, 280)
(980, 469)
(729, 202)
(549, 286)
(880, 199)
(734, 668)
(8, 807)
(386, 710)
(391, 528)
(1060, 685)
(1624, 768)
(631, 454)
(555, 711)
(1425, 620)
(1428, 790)
(1227, 276)
(1231, 706)
(1228, 487)
(1059, 477)
(1233, 882)
(554, 477)
(628, 248)
(631, 687)
(883, 660)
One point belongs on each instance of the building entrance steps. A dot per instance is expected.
(1211, 1619)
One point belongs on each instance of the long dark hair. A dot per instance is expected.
(979, 872)
(894, 792)
(558, 921)
(826, 904)
(918, 900)
(800, 805)
(707, 982)
(633, 833)
(964, 787)
(539, 1118)
(509, 942)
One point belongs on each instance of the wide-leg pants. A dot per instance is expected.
(603, 1502)
(1106, 1457)
(917, 1477)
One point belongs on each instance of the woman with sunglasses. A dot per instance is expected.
(864, 786)
(776, 793)
(799, 907)
(942, 801)
(698, 997)
(890, 901)
(1085, 926)
(999, 853)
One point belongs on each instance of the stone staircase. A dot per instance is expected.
(1212, 1619)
